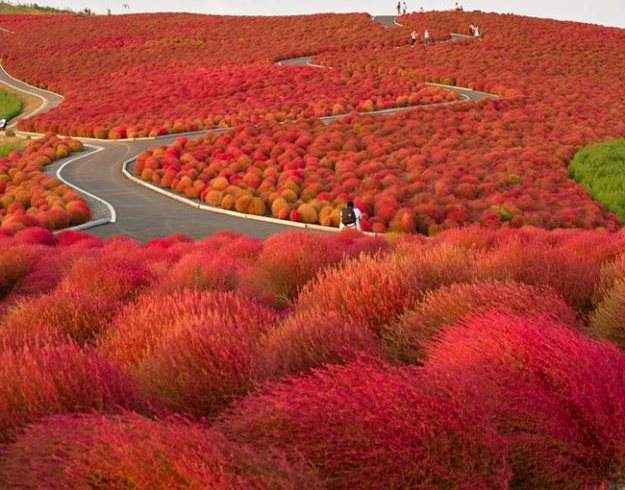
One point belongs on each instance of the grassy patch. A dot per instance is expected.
(29, 102)
(7, 145)
(10, 104)
(600, 168)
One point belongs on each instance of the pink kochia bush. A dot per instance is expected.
(51, 380)
(373, 426)
(132, 451)
(556, 395)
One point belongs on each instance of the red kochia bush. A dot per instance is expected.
(373, 426)
(44, 274)
(201, 365)
(131, 451)
(375, 290)
(51, 380)
(306, 341)
(371, 290)
(287, 262)
(448, 305)
(556, 395)
(140, 327)
(36, 236)
(57, 315)
(572, 276)
(16, 261)
(201, 270)
(106, 276)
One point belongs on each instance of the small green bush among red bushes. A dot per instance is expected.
(378, 362)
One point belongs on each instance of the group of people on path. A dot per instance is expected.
(402, 9)
(414, 35)
(474, 31)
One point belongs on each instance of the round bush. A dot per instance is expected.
(200, 365)
(131, 451)
(106, 276)
(288, 261)
(557, 396)
(373, 426)
(306, 341)
(376, 290)
(203, 270)
(572, 276)
(52, 380)
(447, 305)
(59, 314)
(140, 327)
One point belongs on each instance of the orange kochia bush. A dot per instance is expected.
(29, 197)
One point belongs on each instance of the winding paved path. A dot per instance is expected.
(139, 212)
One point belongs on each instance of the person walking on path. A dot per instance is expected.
(350, 217)
(398, 8)
(471, 30)
(476, 31)
(413, 38)
(405, 11)
(426, 37)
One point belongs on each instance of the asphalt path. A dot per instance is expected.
(139, 212)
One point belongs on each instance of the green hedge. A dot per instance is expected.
(600, 168)
(10, 105)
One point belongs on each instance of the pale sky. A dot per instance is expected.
(606, 12)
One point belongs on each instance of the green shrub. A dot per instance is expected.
(600, 169)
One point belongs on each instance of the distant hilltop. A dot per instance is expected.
(33, 8)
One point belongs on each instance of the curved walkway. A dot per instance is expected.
(137, 211)
(49, 100)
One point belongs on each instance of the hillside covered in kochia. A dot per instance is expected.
(494, 162)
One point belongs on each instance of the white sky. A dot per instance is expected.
(606, 12)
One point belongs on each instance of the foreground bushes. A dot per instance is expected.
(367, 426)
(327, 361)
(48, 380)
(130, 450)
(558, 397)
